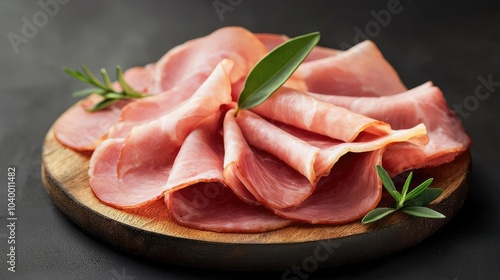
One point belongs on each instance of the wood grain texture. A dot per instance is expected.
(149, 232)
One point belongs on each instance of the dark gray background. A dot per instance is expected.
(450, 43)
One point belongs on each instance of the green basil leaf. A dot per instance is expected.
(377, 214)
(423, 212)
(87, 92)
(388, 184)
(426, 197)
(419, 189)
(273, 70)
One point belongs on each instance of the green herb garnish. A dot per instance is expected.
(412, 203)
(273, 70)
(103, 88)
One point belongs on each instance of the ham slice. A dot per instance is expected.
(203, 54)
(424, 104)
(81, 130)
(143, 172)
(359, 71)
(350, 191)
(198, 196)
(271, 181)
(309, 113)
(311, 154)
(212, 207)
(295, 152)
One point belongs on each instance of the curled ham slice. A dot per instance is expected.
(271, 181)
(359, 71)
(209, 206)
(198, 195)
(81, 130)
(309, 113)
(352, 189)
(144, 172)
(203, 54)
(423, 104)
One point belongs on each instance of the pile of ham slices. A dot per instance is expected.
(305, 155)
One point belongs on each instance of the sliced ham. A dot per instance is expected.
(352, 189)
(305, 155)
(203, 54)
(143, 173)
(81, 130)
(309, 113)
(359, 71)
(271, 181)
(198, 197)
(234, 144)
(209, 206)
(295, 152)
(424, 104)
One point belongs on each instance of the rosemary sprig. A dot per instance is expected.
(412, 203)
(103, 88)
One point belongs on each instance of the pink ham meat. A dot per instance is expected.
(182, 70)
(81, 130)
(198, 197)
(359, 71)
(424, 104)
(203, 54)
(143, 173)
(309, 113)
(293, 151)
(350, 191)
(311, 154)
(209, 206)
(271, 181)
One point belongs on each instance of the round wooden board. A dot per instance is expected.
(148, 232)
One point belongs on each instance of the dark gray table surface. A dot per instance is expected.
(451, 44)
